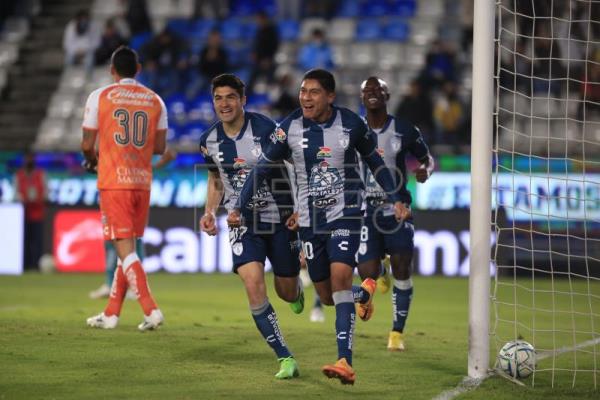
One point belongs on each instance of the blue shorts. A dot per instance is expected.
(337, 243)
(259, 241)
(384, 235)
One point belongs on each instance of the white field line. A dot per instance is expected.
(469, 384)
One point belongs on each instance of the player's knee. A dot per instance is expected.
(401, 265)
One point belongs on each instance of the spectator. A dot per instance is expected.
(449, 114)
(266, 43)
(589, 107)
(110, 40)
(287, 99)
(137, 16)
(80, 41)
(417, 108)
(30, 184)
(439, 65)
(165, 63)
(213, 59)
(288, 9)
(316, 53)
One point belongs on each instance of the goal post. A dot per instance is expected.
(481, 187)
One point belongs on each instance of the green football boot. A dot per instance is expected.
(298, 305)
(288, 368)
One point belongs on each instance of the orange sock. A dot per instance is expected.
(117, 293)
(136, 277)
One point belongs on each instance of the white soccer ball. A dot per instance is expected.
(46, 264)
(517, 358)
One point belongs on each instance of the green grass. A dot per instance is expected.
(210, 348)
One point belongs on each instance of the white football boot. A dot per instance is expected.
(103, 322)
(152, 321)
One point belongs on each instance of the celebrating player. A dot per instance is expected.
(381, 233)
(231, 147)
(321, 140)
(130, 122)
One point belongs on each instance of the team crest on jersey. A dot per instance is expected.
(345, 138)
(238, 248)
(324, 184)
(396, 142)
(324, 152)
(256, 149)
(278, 136)
(239, 163)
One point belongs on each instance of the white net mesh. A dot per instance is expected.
(547, 186)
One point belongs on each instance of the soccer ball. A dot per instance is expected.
(517, 358)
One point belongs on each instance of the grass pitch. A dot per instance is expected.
(209, 347)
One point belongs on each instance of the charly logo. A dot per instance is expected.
(344, 138)
(324, 152)
(256, 148)
(324, 184)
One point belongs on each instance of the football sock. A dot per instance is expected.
(318, 303)
(117, 293)
(345, 318)
(136, 277)
(266, 322)
(111, 261)
(401, 298)
(360, 295)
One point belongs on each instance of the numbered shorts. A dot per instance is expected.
(259, 241)
(338, 242)
(384, 235)
(124, 213)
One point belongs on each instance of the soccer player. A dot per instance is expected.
(381, 233)
(130, 123)
(110, 254)
(322, 141)
(231, 148)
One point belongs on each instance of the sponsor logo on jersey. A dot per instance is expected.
(278, 136)
(239, 163)
(340, 233)
(324, 152)
(324, 184)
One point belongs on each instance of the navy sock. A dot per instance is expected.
(318, 303)
(266, 322)
(360, 294)
(401, 299)
(345, 317)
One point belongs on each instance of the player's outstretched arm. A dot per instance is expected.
(257, 176)
(168, 156)
(425, 169)
(160, 141)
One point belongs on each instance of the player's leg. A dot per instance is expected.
(370, 252)
(249, 252)
(315, 254)
(283, 252)
(110, 265)
(400, 244)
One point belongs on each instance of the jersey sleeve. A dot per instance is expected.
(204, 153)
(418, 147)
(365, 143)
(162, 119)
(277, 146)
(90, 115)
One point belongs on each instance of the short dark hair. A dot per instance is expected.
(229, 80)
(325, 78)
(125, 61)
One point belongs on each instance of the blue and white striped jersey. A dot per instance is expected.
(325, 160)
(393, 141)
(234, 158)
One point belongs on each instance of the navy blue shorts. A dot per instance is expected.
(384, 235)
(259, 241)
(338, 242)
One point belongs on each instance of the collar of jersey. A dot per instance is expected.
(328, 123)
(221, 131)
(388, 121)
(128, 81)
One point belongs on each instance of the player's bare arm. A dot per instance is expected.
(213, 199)
(168, 156)
(88, 147)
(160, 142)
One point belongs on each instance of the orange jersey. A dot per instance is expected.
(126, 116)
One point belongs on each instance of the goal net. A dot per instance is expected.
(546, 186)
